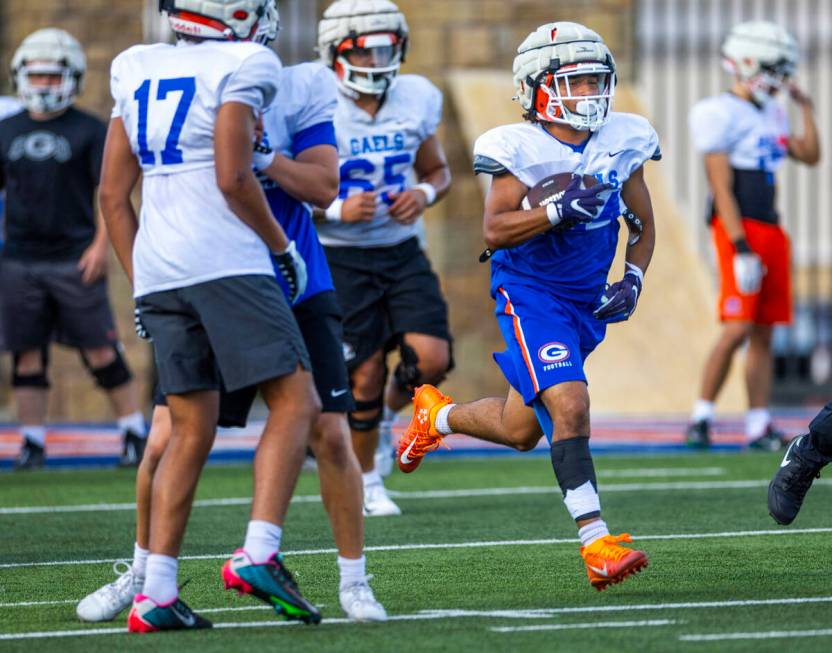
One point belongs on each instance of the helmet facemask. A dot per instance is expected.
(377, 58)
(555, 87)
(46, 98)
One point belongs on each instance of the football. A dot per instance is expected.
(551, 188)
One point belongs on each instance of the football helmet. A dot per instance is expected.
(545, 71)
(761, 54)
(231, 20)
(49, 52)
(374, 29)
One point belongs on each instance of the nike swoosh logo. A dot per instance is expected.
(576, 206)
(188, 620)
(786, 459)
(405, 460)
(615, 153)
(337, 393)
(602, 572)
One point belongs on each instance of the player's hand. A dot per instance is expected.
(292, 268)
(359, 208)
(93, 263)
(141, 330)
(619, 300)
(748, 272)
(408, 206)
(797, 94)
(578, 205)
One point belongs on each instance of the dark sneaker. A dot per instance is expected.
(149, 617)
(132, 450)
(771, 440)
(801, 465)
(270, 582)
(698, 435)
(31, 456)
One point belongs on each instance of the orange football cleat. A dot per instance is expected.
(608, 563)
(421, 436)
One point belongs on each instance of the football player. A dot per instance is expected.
(202, 261)
(549, 265)
(298, 159)
(392, 168)
(745, 137)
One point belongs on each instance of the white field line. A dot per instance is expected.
(772, 634)
(650, 623)
(450, 545)
(661, 472)
(421, 494)
(27, 604)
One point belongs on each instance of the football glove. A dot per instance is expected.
(748, 269)
(619, 300)
(576, 205)
(292, 268)
(141, 330)
(262, 157)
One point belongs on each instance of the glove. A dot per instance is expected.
(619, 300)
(748, 269)
(576, 205)
(292, 268)
(263, 156)
(141, 331)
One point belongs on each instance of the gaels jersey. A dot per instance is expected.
(571, 264)
(168, 97)
(756, 140)
(377, 154)
(301, 117)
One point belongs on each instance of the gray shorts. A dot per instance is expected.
(43, 301)
(238, 327)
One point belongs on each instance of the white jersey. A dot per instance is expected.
(377, 154)
(755, 138)
(168, 98)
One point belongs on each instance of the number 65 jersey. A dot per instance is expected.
(168, 97)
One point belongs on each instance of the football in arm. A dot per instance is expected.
(550, 189)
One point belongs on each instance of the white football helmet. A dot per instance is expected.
(544, 68)
(49, 52)
(228, 20)
(761, 54)
(375, 28)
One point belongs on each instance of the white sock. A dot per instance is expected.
(593, 531)
(388, 414)
(160, 581)
(262, 540)
(371, 478)
(139, 561)
(582, 501)
(703, 410)
(442, 419)
(352, 571)
(756, 422)
(133, 422)
(36, 434)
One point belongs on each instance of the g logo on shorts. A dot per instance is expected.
(553, 352)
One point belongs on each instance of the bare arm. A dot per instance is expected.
(806, 147)
(432, 168)
(119, 173)
(312, 176)
(636, 196)
(233, 136)
(504, 224)
(721, 181)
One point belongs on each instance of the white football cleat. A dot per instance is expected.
(384, 452)
(377, 503)
(359, 603)
(106, 602)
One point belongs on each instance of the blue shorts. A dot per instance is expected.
(547, 339)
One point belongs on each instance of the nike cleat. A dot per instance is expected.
(149, 617)
(420, 436)
(360, 604)
(31, 456)
(377, 503)
(800, 467)
(698, 435)
(608, 563)
(270, 582)
(105, 603)
(132, 449)
(771, 440)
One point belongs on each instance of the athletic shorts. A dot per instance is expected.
(319, 320)
(385, 292)
(773, 303)
(44, 301)
(239, 329)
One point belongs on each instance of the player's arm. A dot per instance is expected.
(721, 181)
(636, 196)
(504, 223)
(312, 176)
(119, 174)
(806, 147)
(434, 176)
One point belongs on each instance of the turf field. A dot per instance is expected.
(484, 558)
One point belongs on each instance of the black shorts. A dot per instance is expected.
(238, 328)
(385, 292)
(319, 320)
(44, 301)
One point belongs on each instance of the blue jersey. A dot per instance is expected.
(571, 264)
(300, 118)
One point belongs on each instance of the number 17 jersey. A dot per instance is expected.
(168, 97)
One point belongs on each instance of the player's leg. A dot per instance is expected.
(759, 370)
(31, 393)
(508, 421)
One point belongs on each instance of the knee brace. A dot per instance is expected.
(36, 380)
(368, 423)
(407, 376)
(113, 375)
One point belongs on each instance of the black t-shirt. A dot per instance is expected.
(50, 171)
